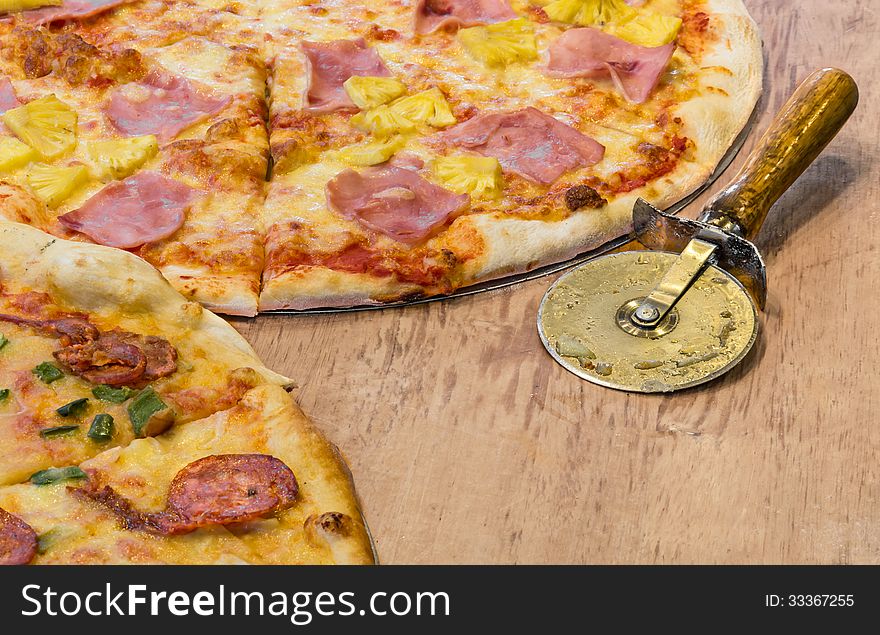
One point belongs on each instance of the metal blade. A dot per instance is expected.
(715, 324)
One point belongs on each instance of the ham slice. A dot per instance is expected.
(8, 100)
(329, 64)
(528, 142)
(432, 15)
(126, 214)
(587, 52)
(71, 10)
(394, 201)
(161, 104)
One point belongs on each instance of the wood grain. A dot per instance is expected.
(469, 444)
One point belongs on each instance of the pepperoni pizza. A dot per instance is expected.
(137, 427)
(300, 153)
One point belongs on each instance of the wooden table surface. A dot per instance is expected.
(470, 445)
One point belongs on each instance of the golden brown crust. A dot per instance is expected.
(728, 84)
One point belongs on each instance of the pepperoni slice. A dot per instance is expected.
(18, 540)
(120, 358)
(107, 360)
(73, 330)
(228, 488)
(161, 357)
(115, 358)
(220, 489)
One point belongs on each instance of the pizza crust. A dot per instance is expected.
(230, 295)
(308, 288)
(730, 83)
(117, 284)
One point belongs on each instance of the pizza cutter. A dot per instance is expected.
(680, 309)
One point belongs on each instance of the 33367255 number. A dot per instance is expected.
(810, 599)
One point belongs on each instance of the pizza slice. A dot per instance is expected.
(149, 138)
(253, 484)
(97, 349)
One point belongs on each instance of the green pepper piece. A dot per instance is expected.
(57, 431)
(56, 474)
(101, 429)
(47, 539)
(4, 393)
(3, 341)
(48, 372)
(74, 408)
(111, 394)
(142, 407)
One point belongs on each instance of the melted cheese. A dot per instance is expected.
(214, 65)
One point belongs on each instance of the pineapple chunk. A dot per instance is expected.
(618, 19)
(14, 154)
(480, 177)
(648, 29)
(48, 125)
(9, 6)
(54, 184)
(369, 92)
(606, 12)
(294, 155)
(564, 10)
(590, 12)
(118, 158)
(370, 153)
(501, 43)
(382, 122)
(427, 107)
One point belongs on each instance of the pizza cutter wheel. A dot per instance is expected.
(684, 311)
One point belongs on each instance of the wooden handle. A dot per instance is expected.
(808, 121)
